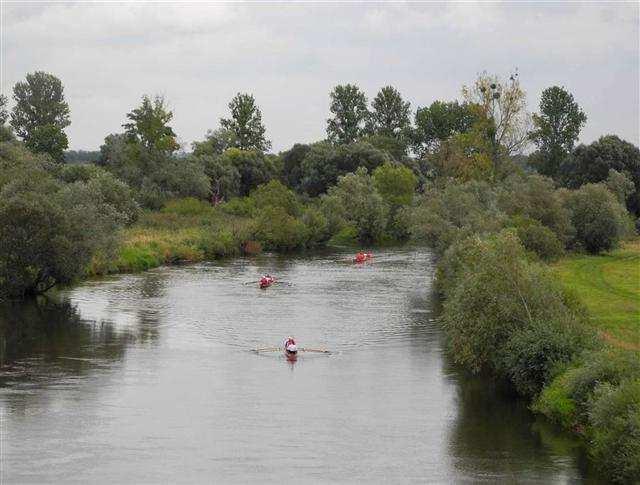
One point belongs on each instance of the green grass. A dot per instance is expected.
(609, 286)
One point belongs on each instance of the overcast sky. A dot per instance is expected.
(199, 55)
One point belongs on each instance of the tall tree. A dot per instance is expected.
(41, 113)
(434, 124)
(504, 104)
(557, 128)
(39, 101)
(149, 126)
(390, 113)
(48, 139)
(349, 109)
(246, 124)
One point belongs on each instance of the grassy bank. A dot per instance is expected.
(609, 287)
(184, 231)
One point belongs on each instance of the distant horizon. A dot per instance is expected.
(198, 56)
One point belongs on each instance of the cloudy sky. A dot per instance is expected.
(290, 55)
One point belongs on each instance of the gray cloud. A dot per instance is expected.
(290, 55)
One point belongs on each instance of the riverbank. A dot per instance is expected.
(609, 287)
(508, 313)
(191, 231)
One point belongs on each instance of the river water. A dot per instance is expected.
(149, 378)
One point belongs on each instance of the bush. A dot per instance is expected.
(532, 353)
(239, 206)
(599, 219)
(275, 229)
(347, 236)
(454, 212)
(534, 197)
(358, 203)
(49, 237)
(460, 257)
(539, 239)
(317, 226)
(275, 194)
(615, 417)
(395, 183)
(578, 383)
(500, 294)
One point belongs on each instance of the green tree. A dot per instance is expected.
(39, 102)
(395, 183)
(591, 164)
(389, 115)
(149, 126)
(48, 139)
(50, 229)
(438, 122)
(292, 164)
(324, 163)
(245, 124)
(557, 128)
(224, 177)
(254, 167)
(349, 109)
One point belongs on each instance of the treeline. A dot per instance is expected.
(358, 185)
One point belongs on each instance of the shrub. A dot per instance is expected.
(347, 236)
(239, 206)
(532, 353)
(501, 294)
(275, 229)
(460, 257)
(615, 418)
(275, 194)
(539, 239)
(454, 212)
(48, 238)
(395, 183)
(317, 226)
(534, 197)
(578, 383)
(599, 219)
(359, 204)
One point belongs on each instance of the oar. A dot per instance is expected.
(251, 282)
(266, 349)
(322, 351)
(277, 282)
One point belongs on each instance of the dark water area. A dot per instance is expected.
(149, 378)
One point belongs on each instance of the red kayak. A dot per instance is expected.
(362, 257)
(266, 281)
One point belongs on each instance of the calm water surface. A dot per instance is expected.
(149, 379)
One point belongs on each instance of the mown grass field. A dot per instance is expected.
(609, 286)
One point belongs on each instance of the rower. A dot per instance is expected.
(290, 346)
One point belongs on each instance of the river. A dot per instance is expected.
(149, 378)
